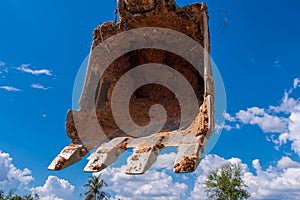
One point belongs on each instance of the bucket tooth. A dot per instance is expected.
(144, 156)
(68, 156)
(189, 154)
(106, 154)
(141, 160)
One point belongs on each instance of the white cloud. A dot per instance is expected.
(227, 127)
(9, 174)
(2, 64)
(165, 161)
(286, 162)
(25, 68)
(283, 119)
(296, 83)
(274, 182)
(258, 116)
(154, 185)
(55, 189)
(38, 86)
(282, 182)
(10, 89)
(294, 130)
(229, 118)
(287, 104)
(283, 138)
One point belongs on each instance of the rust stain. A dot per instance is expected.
(143, 150)
(83, 151)
(159, 146)
(123, 145)
(203, 121)
(135, 157)
(200, 125)
(162, 134)
(186, 165)
(103, 151)
(96, 167)
(60, 163)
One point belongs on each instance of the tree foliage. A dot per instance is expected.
(226, 184)
(11, 196)
(95, 189)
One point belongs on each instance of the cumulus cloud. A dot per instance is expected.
(294, 130)
(154, 185)
(286, 162)
(283, 120)
(25, 68)
(274, 182)
(280, 182)
(165, 161)
(10, 88)
(258, 116)
(287, 105)
(283, 138)
(9, 174)
(55, 189)
(39, 86)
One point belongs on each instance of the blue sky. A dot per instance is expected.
(42, 45)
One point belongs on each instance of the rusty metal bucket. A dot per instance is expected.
(148, 86)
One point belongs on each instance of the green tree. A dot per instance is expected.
(2, 196)
(95, 189)
(11, 196)
(226, 184)
(31, 197)
(16, 197)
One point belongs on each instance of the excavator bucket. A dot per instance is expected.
(148, 86)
